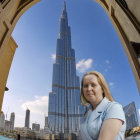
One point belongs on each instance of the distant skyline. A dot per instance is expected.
(96, 44)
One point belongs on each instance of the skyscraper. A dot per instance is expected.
(65, 109)
(2, 120)
(12, 120)
(46, 121)
(131, 116)
(27, 118)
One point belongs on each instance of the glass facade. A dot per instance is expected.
(65, 109)
(131, 116)
(27, 119)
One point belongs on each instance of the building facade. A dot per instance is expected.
(27, 119)
(131, 116)
(46, 122)
(2, 121)
(35, 127)
(12, 120)
(65, 109)
(7, 126)
(46, 129)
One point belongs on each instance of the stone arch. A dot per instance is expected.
(125, 17)
(10, 12)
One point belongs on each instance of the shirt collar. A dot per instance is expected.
(93, 114)
(101, 107)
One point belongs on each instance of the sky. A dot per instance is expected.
(97, 47)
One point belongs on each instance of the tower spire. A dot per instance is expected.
(64, 7)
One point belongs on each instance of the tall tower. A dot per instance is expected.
(2, 120)
(46, 122)
(12, 120)
(65, 109)
(27, 118)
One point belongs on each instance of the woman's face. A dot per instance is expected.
(92, 90)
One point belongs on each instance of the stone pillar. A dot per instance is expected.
(5, 64)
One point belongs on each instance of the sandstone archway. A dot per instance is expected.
(124, 15)
(10, 12)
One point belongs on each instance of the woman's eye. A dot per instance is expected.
(85, 86)
(93, 85)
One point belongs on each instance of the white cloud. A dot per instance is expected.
(107, 66)
(107, 62)
(38, 106)
(19, 120)
(53, 56)
(20, 100)
(20, 116)
(83, 65)
(111, 84)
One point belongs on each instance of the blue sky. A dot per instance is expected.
(96, 44)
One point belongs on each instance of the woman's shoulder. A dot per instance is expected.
(108, 105)
(114, 110)
(114, 104)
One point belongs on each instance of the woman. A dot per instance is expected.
(105, 119)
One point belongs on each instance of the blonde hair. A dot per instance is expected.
(103, 84)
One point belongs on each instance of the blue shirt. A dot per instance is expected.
(91, 127)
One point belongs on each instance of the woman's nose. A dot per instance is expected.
(89, 87)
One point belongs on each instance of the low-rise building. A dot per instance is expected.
(25, 132)
(35, 127)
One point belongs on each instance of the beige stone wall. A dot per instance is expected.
(134, 7)
(127, 25)
(9, 8)
(5, 63)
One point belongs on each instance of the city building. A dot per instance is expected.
(2, 121)
(35, 126)
(65, 109)
(27, 118)
(46, 129)
(46, 122)
(25, 132)
(7, 126)
(12, 120)
(131, 116)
